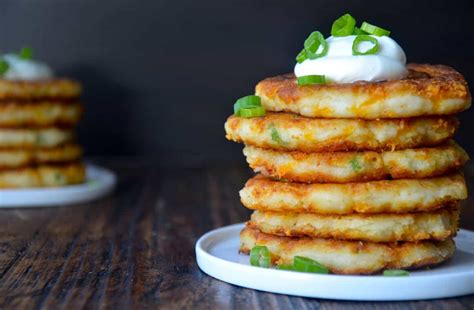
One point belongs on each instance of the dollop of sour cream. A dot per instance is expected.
(25, 69)
(340, 66)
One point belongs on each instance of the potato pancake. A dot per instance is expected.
(428, 90)
(343, 167)
(396, 196)
(32, 138)
(38, 114)
(386, 227)
(43, 176)
(350, 257)
(44, 89)
(290, 132)
(18, 158)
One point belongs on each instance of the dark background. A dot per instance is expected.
(160, 77)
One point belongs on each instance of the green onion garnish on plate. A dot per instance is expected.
(285, 267)
(260, 256)
(305, 264)
(395, 273)
(343, 26)
(26, 53)
(365, 38)
(311, 79)
(374, 30)
(4, 66)
(315, 45)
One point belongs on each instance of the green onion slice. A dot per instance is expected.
(376, 31)
(251, 101)
(275, 135)
(365, 38)
(311, 79)
(315, 45)
(305, 264)
(343, 26)
(260, 256)
(26, 53)
(251, 112)
(4, 66)
(356, 166)
(358, 31)
(395, 273)
(285, 267)
(301, 56)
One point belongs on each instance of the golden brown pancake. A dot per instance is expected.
(386, 227)
(395, 196)
(39, 114)
(428, 90)
(34, 138)
(350, 257)
(343, 167)
(43, 176)
(44, 89)
(290, 132)
(20, 158)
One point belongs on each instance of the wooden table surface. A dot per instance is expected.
(135, 248)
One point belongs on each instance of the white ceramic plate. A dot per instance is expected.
(99, 182)
(217, 255)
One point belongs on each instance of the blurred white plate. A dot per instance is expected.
(99, 182)
(217, 255)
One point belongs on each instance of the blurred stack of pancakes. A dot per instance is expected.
(360, 177)
(37, 122)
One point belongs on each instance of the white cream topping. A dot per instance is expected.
(340, 66)
(26, 69)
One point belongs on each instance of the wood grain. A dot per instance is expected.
(135, 249)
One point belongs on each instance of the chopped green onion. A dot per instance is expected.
(395, 273)
(260, 256)
(301, 56)
(365, 38)
(26, 53)
(251, 112)
(357, 31)
(356, 166)
(286, 267)
(376, 31)
(58, 176)
(311, 79)
(314, 43)
(305, 264)
(4, 66)
(275, 135)
(247, 102)
(343, 26)
(39, 139)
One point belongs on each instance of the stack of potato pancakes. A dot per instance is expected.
(37, 120)
(360, 177)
